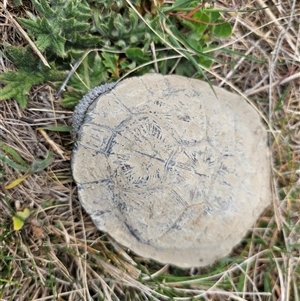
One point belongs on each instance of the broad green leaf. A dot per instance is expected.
(198, 24)
(125, 66)
(205, 61)
(215, 16)
(136, 55)
(223, 30)
(111, 63)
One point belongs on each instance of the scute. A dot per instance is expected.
(171, 171)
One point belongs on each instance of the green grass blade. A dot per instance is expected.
(14, 154)
(12, 164)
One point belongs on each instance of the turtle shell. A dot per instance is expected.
(172, 169)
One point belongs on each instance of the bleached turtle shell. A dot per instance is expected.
(171, 171)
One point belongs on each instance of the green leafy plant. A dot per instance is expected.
(105, 40)
(196, 29)
(30, 71)
(61, 26)
(122, 28)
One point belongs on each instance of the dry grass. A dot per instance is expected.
(60, 255)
